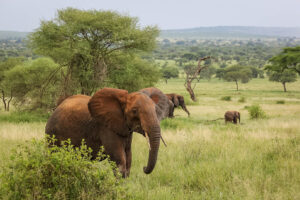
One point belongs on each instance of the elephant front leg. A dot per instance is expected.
(128, 155)
(121, 164)
(128, 163)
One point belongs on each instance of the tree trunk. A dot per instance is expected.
(190, 90)
(284, 88)
(4, 100)
(237, 86)
(8, 102)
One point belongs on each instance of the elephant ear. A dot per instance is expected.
(161, 101)
(175, 100)
(106, 106)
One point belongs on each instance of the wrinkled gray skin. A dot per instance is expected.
(164, 107)
(232, 116)
(177, 101)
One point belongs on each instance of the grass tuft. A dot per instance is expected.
(226, 98)
(280, 102)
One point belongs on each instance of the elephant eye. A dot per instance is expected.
(134, 111)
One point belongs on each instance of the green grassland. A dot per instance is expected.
(204, 159)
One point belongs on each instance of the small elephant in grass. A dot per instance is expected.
(232, 116)
(108, 119)
(177, 100)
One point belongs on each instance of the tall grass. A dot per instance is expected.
(206, 159)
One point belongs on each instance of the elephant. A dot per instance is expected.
(177, 100)
(108, 119)
(232, 116)
(165, 107)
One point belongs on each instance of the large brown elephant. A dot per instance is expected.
(232, 116)
(108, 119)
(177, 100)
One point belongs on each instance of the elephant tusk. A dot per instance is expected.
(162, 139)
(147, 138)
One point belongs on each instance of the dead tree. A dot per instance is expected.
(191, 75)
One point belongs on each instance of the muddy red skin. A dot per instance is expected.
(108, 119)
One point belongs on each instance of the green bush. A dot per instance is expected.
(256, 112)
(25, 116)
(226, 98)
(36, 171)
(242, 100)
(280, 102)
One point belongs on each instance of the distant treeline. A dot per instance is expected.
(231, 32)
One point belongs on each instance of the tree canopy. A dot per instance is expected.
(237, 73)
(31, 85)
(6, 92)
(287, 76)
(169, 72)
(289, 58)
(87, 42)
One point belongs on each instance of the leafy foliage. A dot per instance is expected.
(132, 73)
(289, 58)
(237, 73)
(34, 84)
(207, 73)
(287, 76)
(87, 42)
(35, 171)
(7, 92)
(256, 112)
(169, 72)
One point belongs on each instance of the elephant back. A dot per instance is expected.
(160, 99)
(70, 120)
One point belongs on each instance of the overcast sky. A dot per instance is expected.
(25, 15)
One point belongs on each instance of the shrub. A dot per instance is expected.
(280, 102)
(256, 112)
(226, 98)
(242, 100)
(38, 172)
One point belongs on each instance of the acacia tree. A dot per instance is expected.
(85, 43)
(192, 72)
(287, 76)
(237, 73)
(289, 58)
(169, 72)
(29, 83)
(6, 92)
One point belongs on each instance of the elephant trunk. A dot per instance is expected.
(151, 126)
(154, 139)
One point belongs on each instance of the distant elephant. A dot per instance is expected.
(232, 116)
(165, 107)
(177, 100)
(108, 119)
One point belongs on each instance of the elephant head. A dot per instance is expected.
(238, 116)
(178, 100)
(124, 112)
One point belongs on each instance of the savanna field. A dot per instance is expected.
(206, 159)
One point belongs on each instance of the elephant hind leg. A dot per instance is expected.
(234, 120)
